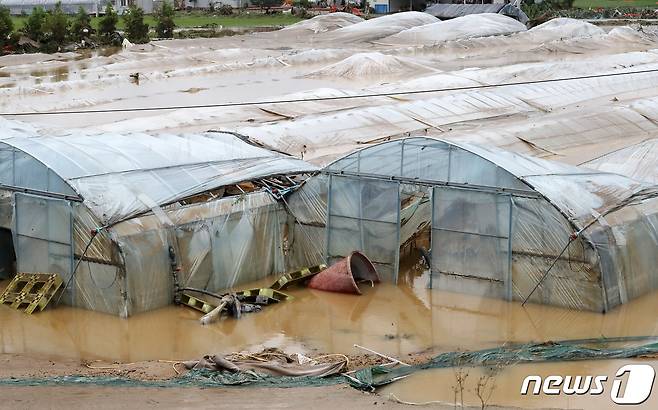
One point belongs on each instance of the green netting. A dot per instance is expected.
(372, 377)
(193, 378)
(568, 350)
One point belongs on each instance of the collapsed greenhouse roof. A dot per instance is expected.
(119, 176)
(451, 11)
(145, 213)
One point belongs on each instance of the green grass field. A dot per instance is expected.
(586, 4)
(187, 20)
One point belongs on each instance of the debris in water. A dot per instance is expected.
(297, 276)
(239, 368)
(343, 276)
(245, 301)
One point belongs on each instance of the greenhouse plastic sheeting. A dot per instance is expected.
(125, 263)
(548, 201)
(363, 215)
(20, 170)
(455, 11)
(218, 245)
(43, 235)
(639, 161)
(380, 27)
(323, 23)
(123, 175)
(471, 242)
(344, 129)
(473, 25)
(585, 139)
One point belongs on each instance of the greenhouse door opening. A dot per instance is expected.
(415, 221)
(7, 255)
(471, 245)
(43, 235)
(364, 215)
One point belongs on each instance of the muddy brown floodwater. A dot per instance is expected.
(401, 321)
(396, 320)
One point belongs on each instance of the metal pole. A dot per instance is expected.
(328, 227)
(571, 239)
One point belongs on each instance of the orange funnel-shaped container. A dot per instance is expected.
(344, 275)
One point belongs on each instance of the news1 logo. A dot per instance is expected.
(637, 390)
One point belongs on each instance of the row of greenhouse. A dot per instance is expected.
(222, 212)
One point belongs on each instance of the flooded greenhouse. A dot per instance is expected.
(124, 222)
(347, 200)
(499, 221)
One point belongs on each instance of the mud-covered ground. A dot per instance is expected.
(85, 396)
(21, 366)
(18, 366)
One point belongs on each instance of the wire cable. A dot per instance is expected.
(94, 233)
(319, 99)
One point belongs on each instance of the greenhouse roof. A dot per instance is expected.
(120, 175)
(579, 193)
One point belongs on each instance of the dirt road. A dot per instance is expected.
(86, 397)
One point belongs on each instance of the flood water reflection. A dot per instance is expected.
(504, 386)
(397, 320)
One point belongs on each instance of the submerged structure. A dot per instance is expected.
(136, 217)
(500, 222)
(127, 219)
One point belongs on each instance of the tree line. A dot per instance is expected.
(52, 30)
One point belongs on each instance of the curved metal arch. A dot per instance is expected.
(35, 190)
(573, 223)
(461, 147)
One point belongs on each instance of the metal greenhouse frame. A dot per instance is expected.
(499, 221)
(127, 219)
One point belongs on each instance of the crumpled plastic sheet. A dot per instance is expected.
(225, 365)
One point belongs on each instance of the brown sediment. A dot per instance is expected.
(408, 322)
(393, 320)
(100, 398)
(21, 366)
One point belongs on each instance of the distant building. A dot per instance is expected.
(147, 5)
(393, 6)
(17, 7)
(205, 4)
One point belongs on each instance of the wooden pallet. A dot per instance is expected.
(196, 303)
(29, 291)
(292, 277)
(262, 296)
